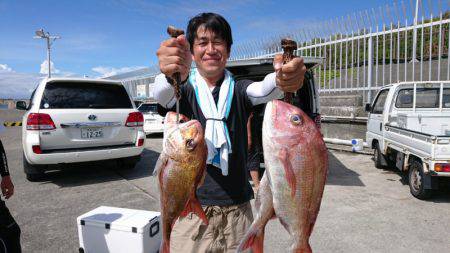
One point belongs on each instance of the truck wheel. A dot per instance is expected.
(33, 172)
(416, 181)
(377, 157)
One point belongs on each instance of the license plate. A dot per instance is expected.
(91, 133)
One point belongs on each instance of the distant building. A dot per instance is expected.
(139, 83)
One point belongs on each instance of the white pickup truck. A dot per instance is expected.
(409, 128)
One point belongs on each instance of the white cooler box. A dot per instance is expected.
(118, 230)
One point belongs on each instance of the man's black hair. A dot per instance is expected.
(212, 22)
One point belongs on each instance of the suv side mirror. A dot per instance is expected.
(367, 108)
(21, 105)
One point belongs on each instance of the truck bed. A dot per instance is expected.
(434, 147)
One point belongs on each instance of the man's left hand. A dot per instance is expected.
(289, 76)
(7, 187)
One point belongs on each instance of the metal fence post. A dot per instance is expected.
(406, 50)
(384, 53)
(369, 70)
(353, 62)
(431, 50)
(448, 52)
(421, 49)
(416, 13)
(398, 51)
(440, 48)
(376, 59)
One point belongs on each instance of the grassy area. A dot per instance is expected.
(329, 75)
(393, 47)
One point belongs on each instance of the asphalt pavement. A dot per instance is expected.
(364, 209)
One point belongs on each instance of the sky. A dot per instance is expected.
(103, 38)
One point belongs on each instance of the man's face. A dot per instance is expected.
(210, 53)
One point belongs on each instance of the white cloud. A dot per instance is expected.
(44, 68)
(4, 68)
(111, 71)
(17, 85)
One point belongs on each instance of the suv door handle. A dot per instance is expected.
(381, 126)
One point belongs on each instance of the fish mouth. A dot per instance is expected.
(194, 127)
(171, 119)
(271, 114)
(279, 107)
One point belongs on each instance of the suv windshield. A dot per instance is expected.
(148, 108)
(76, 95)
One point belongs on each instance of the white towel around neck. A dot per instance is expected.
(216, 131)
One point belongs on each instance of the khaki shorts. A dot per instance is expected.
(227, 226)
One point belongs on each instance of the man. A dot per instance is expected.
(210, 95)
(254, 143)
(252, 154)
(9, 229)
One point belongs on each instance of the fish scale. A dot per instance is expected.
(180, 169)
(296, 166)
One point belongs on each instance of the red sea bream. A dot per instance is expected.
(296, 163)
(180, 170)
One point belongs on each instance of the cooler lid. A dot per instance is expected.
(114, 218)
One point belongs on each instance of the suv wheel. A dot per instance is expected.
(416, 181)
(33, 172)
(128, 163)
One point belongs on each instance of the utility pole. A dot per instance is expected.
(40, 34)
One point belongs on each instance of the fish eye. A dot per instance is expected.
(182, 121)
(296, 119)
(190, 145)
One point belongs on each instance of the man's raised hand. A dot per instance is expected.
(174, 56)
(289, 76)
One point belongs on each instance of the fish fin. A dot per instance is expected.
(202, 179)
(161, 163)
(194, 206)
(274, 216)
(253, 239)
(165, 247)
(304, 249)
(285, 225)
(258, 200)
(289, 172)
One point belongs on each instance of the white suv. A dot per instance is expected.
(79, 120)
(153, 122)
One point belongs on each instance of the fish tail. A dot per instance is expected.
(253, 239)
(197, 209)
(304, 248)
(165, 246)
(194, 206)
